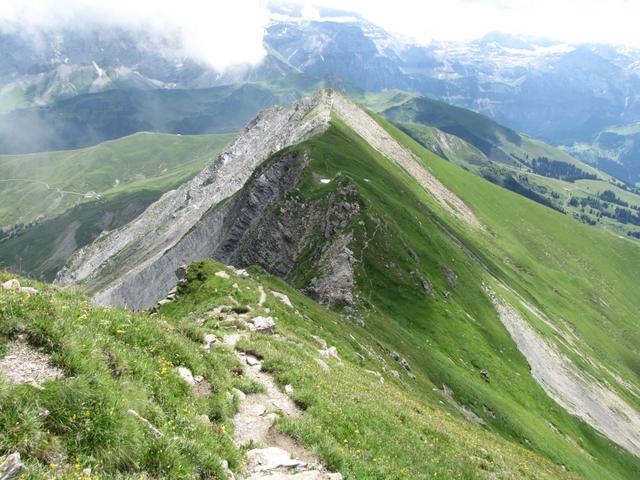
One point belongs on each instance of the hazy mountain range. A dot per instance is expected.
(585, 97)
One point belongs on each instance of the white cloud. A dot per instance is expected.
(226, 32)
(574, 21)
(221, 33)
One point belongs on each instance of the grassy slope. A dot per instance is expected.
(110, 168)
(553, 191)
(359, 426)
(41, 250)
(497, 142)
(559, 265)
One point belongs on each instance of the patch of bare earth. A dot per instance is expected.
(575, 390)
(24, 364)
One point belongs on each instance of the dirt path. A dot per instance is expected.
(274, 456)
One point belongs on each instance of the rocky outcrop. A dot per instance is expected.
(135, 265)
(336, 282)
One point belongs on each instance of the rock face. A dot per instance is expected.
(228, 212)
(135, 265)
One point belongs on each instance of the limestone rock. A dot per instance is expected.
(186, 375)
(29, 291)
(241, 272)
(222, 274)
(13, 285)
(240, 395)
(323, 365)
(321, 341)
(204, 419)
(283, 298)
(451, 276)
(11, 468)
(260, 324)
(402, 361)
(271, 458)
(331, 352)
(209, 339)
(181, 272)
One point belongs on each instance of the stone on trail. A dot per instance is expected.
(252, 361)
(222, 274)
(271, 458)
(305, 475)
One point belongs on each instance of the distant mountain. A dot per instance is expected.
(563, 94)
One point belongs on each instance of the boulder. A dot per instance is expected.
(13, 285)
(29, 291)
(271, 458)
(283, 298)
(260, 324)
(209, 339)
(331, 352)
(186, 375)
(222, 274)
(11, 468)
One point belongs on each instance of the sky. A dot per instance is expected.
(229, 32)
